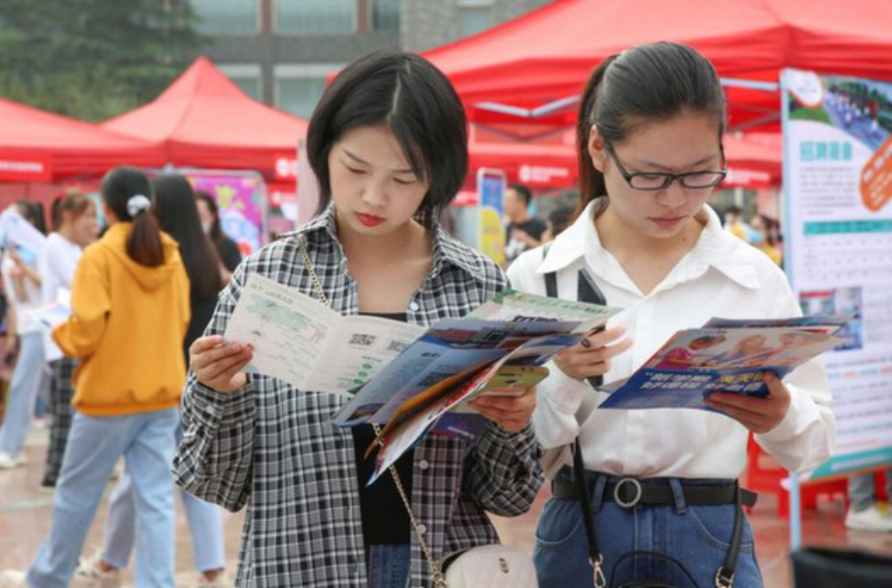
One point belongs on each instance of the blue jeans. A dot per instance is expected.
(29, 378)
(697, 537)
(205, 524)
(147, 443)
(862, 490)
(388, 565)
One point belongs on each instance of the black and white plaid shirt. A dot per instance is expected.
(274, 448)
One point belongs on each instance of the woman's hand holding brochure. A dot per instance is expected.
(512, 413)
(591, 357)
(734, 367)
(219, 364)
(758, 414)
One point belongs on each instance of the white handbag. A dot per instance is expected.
(492, 566)
(488, 566)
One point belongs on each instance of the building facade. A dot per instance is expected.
(281, 51)
(428, 24)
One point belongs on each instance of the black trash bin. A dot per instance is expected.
(832, 568)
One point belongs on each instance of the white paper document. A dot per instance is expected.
(298, 340)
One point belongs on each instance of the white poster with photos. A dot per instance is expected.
(838, 188)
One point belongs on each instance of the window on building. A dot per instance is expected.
(227, 17)
(315, 16)
(299, 87)
(247, 77)
(475, 17)
(386, 15)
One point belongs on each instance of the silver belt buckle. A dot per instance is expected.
(630, 503)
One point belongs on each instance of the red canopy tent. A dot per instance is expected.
(753, 162)
(204, 120)
(38, 146)
(537, 64)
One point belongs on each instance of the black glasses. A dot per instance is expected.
(697, 180)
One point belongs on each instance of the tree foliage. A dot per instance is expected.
(93, 59)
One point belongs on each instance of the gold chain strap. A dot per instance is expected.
(439, 580)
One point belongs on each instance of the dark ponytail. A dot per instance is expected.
(128, 193)
(645, 84)
(591, 181)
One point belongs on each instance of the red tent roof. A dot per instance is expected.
(752, 161)
(205, 120)
(42, 146)
(548, 53)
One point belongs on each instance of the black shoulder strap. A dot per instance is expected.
(550, 277)
(587, 291)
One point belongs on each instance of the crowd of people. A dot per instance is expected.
(155, 271)
(155, 293)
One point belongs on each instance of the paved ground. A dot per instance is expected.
(25, 514)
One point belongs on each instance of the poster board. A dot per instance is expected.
(491, 185)
(838, 248)
(241, 199)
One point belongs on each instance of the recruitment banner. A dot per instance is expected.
(838, 186)
(491, 184)
(26, 168)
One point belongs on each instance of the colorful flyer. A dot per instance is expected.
(732, 357)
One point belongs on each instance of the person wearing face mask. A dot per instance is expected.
(662, 481)
(734, 223)
(763, 236)
(210, 224)
(388, 144)
(77, 227)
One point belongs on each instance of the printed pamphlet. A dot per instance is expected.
(724, 356)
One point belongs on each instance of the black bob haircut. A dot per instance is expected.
(412, 98)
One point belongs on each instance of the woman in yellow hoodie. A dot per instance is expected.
(130, 311)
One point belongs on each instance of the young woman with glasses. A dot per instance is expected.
(650, 132)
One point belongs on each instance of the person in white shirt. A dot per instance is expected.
(660, 481)
(77, 226)
(29, 378)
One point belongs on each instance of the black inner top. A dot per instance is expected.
(384, 517)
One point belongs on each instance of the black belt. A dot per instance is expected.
(629, 492)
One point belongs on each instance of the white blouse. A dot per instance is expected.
(721, 277)
(57, 264)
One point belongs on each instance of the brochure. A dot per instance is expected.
(18, 233)
(428, 386)
(404, 377)
(723, 356)
(301, 341)
(48, 316)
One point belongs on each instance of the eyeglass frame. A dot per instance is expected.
(669, 178)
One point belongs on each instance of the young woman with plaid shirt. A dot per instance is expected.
(388, 145)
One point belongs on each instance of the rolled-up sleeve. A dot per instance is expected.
(804, 438)
(215, 458)
(502, 472)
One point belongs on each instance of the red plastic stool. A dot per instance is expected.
(880, 481)
(764, 475)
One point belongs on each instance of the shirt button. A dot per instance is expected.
(422, 529)
(424, 464)
(414, 306)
